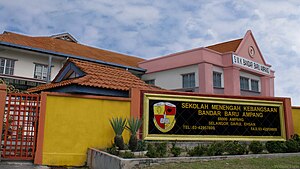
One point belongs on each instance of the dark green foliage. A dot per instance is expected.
(141, 146)
(126, 154)
(133, 143)
(119, 141)
(198, 150)
(133, 127)
(235, 148)
(256, 147)
(293, 144)
(118, 125)
(176, 151)
(151, 151)
(157, 150)
(113, 150)
(215, 149)
(276, 147)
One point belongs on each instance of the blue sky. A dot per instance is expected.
(151, 28)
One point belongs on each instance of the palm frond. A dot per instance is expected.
(118, 125)
(133, 125)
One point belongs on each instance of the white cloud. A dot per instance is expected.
(154, 28)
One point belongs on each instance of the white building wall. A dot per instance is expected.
(172, 79)
(25, 62)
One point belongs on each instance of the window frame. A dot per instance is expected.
(190, 82)
(250, 82)
(256, 87)
(42, 71)
(246, 79)
(219, 85)
(7, 70)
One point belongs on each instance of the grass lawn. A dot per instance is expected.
(250, 163)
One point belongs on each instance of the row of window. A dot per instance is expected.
(188, 81)
(7, 67)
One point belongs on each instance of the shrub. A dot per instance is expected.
(256, 147)
(157, 150)
(151, 151)
(198, 150)
(141, 145)
(126, 154)
(118, 125)
(235, 148)
(133, 126)
(161, 149)
(176, 151)
(113, 150)
(215, 149)
(276, 147)
(293, 144)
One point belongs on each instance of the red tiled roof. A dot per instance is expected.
(98, 75)
(71, 48)
(230, 46)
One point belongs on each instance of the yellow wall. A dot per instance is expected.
(296, 119)
(72, 125)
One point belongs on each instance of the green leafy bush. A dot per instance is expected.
(113, 150)
(198, 150)
(133, 126)
(126, 154)
(151, 151)
(157, 150)
(235, 148)
(293, 144)
(141, 145)
(118, 125)
(176, 151)
(215, 149)
(256, 147)
(276, 147)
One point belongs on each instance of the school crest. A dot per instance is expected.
(164, 116)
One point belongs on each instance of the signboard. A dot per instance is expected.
(177, 117)
(250, 64)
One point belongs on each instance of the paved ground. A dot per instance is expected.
(19, 165)
(28, 165)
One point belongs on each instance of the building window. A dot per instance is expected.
(150, 82)
(254, 85)
(217, 79)
(249, 84)
(244, 83)
(7, 66)
(188, 80)
(41, 71)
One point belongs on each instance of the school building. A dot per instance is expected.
(235, 67)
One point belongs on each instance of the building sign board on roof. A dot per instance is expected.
(238, 60)
(178, 117)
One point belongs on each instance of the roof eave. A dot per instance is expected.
(70, 56)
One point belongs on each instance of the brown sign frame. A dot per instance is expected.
(203, 99)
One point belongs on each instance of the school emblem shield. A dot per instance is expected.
(164, 116)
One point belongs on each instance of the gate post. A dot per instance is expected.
(2, 106)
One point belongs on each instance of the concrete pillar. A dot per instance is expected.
(267, 86)
(205, 78)
(232, 81)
